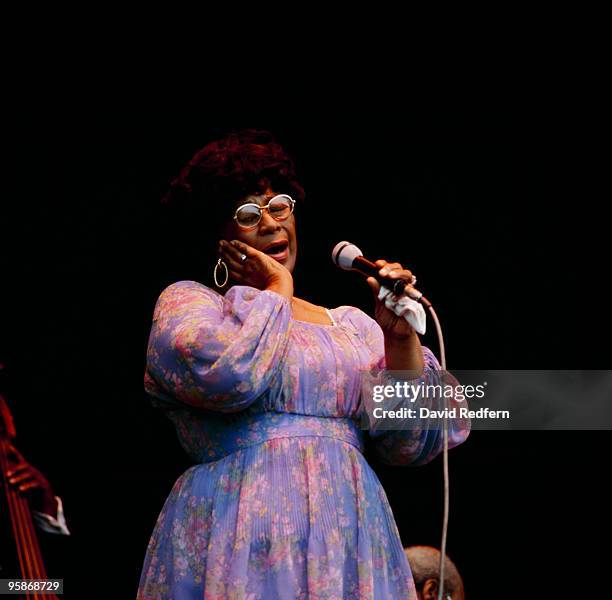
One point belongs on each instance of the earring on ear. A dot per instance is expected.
(220, 263)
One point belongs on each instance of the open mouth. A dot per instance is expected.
(278, 250)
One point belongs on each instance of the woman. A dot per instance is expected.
(264, 389)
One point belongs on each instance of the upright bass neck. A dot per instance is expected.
(29, 557)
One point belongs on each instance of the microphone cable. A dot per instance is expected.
(445, 513)
(446, 494)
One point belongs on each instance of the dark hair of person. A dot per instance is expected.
(424, 564)
(203, 197)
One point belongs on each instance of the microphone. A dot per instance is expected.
(350, 258)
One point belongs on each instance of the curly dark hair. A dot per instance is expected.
(242, 163)
(202, 198)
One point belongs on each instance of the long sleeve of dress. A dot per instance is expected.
(418, 441)
(213, 352)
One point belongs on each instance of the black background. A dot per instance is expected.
(482, 207)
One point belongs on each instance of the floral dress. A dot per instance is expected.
(280, 503)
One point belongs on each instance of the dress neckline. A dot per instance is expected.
(331, 318)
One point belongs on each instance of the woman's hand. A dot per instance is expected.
(402, 345)
(393, 326)
(258, 270)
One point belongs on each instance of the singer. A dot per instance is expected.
(264, 389)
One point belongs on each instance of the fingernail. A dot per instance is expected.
(384, 271)
(234, 243)
(12, 480)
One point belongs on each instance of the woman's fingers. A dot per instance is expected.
(241, 247)
(374, 285)
(233, 252)
(400, 274)
(231, 256)
(393, 270)
(235, 249)
(389, 268)
(228, 251)
(233, 264)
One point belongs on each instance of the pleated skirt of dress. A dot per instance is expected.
(292, 518)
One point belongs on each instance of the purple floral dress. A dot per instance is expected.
(281, 503)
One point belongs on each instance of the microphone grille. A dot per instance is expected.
(344, 253)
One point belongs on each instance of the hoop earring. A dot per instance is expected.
(219, 264)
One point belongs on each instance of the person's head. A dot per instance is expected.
(244, 167)
(425, 562)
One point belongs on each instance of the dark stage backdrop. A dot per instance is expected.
(85, 256)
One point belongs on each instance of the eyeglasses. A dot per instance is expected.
(249, 215)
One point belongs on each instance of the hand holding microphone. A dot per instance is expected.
(393, 288)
